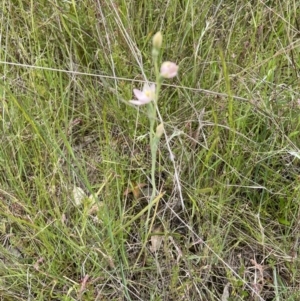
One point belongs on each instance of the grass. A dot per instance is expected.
(68, 132)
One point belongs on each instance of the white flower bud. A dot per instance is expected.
(157, 40)
(159, 130)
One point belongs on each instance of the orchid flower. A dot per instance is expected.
(144, 96)
(168, 69)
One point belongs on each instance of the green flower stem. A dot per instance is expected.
(152, 116)
(153, 160)
(154, 139)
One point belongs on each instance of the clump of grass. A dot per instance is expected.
(232, 130)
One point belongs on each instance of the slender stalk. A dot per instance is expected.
(152, 116)
(153, 158)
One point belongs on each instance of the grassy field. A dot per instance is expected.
(77, 220)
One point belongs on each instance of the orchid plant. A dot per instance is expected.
(149, 96)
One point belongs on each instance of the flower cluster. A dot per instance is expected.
(167, 70)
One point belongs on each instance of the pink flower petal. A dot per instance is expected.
(139, 102)
(138, 94)
(152, 88)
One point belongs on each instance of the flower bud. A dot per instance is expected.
(159, 130)
(168, 69)
(157, 40)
